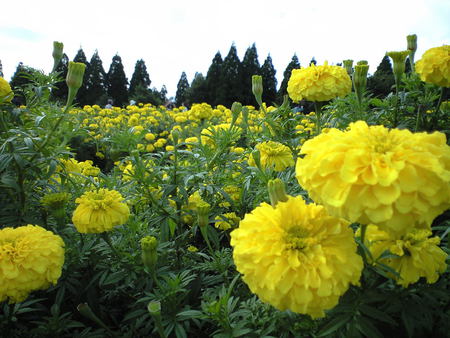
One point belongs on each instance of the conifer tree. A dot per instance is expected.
(117, 82)
(294, 64)
(250, 67)
(313, 61)
(269, 81)
(381, 82)
(82, 93)
(60, 92)
(182, 88)
(96, 82)
(198, 91)
(140, 78)
(214, 85)
(231, 78)
(19, 80)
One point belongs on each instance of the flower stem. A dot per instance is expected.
(318, 108)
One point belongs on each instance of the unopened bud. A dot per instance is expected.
(203, 213)
(257, 87)
(57, 53)
(277, 192)
(398, 59)
(348, 65)
(149, 245)
(75, 75)
(412, 42)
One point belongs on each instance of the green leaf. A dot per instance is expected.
(376, 314)
(334, 324)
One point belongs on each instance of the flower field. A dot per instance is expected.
(241, 221)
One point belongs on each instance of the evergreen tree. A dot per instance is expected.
(96, 82)
(163, 94)
(294, 64)
(60, 91)
(313, 61)
(214, 85)
(82, 93)
(231, 78)
(117, 82)
(1, 69)
(198, 91)
(250, 67)
(19, 80)
(140, 78)
(269, 81)
(381, 82)
(182, 88)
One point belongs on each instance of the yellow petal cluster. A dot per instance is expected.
(292, 256)
(372, 175)
(100, 211)
(6, 93)
(274, 155)
(319, 83)
(434, 66)
(419, 254)
(31, 258)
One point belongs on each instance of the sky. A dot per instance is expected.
(176, 36)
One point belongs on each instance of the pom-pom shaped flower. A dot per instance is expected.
(31, 258)
(100, 211)
(6, 94)
(372, 175)
(319, 83)
(292, 256)
(273, 155)
(434, 66)
(418, 254)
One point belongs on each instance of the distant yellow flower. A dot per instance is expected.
(274, 155)
(434, 66)
(6, 93)
(192, 248)
(227, 221)
(100, 211)
(319, 83)
(292, 256)
(31, 258)
(372, 175)
(418, 254)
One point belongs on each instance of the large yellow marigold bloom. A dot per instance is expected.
(31, 258)
(292, 256)
(274, 155)
(100, 211)
(6, 94)
(372, 175)
(319, 83)
(418, 254)
(434, 66)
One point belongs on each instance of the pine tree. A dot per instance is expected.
(140, 78)
(214, 85)
(60, 91)
(163, 94)
(96, 82)
(381, 82)
(250, 67)
(19, 80)
(82, 93)
(117, 82)
(294, 64)
(313, 61)
(231, 78)
(198, 91)
(269, 81)
(182, 88)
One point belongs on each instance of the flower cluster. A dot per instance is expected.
(292, 255)
(31, 258)
(434, 66)
(319, 83)
(370, 174)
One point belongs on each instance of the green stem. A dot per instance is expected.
(159, 326)
(318, 108)
(419, 115)
(204, 231)
(438, 106)
(105, 236)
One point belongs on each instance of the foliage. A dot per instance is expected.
(182, 90)
(117, 82)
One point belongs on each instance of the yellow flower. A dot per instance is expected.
(372, 175)
(192, 248)
(434, 66)
(31, 258)
(227, 221)
(274, 155)
(6, 94)
(292, 256)
(100, 211)
(319, 83)
(418, 254)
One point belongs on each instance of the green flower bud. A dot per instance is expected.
(203, 213)
(75, 75)
(236, 108)
(360, 79)
(412, 42)
(175, 136)
(149, 245)
(57, 53)
(348, 65)
(277, 191)
(398, 59)
(257, 87)
(362, 62)
(154, 308)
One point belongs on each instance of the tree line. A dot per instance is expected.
(227, 80)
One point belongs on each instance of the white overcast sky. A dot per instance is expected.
(177, 36)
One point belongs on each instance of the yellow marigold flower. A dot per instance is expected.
(418, 254)
(6, 93)
(149, 137)
(31, 258)
(100, 211)
(292, 256)
(227, 221)
(192, 248)
(319, 83)
(434, 66)
(372, 175)
(274, 155)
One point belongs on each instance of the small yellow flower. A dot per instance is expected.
(274, 155)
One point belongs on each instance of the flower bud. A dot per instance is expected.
(203, 213)
(256, 155)
(154, 308)
(149, 245)
(175, 136)
(236, 108)
(277, 192)
(398, 59)
(360, 79)
(257, 87)
(75, 74)
(412, 42)
(57, 53)
(348, 65)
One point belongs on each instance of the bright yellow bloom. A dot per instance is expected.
(292, 256)
(227, 221)
(434, 66)
(100, 211)
(6, 94)
(274, 155)
(31, 258)
(372, 175)
(319, 83)
(418, 254)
